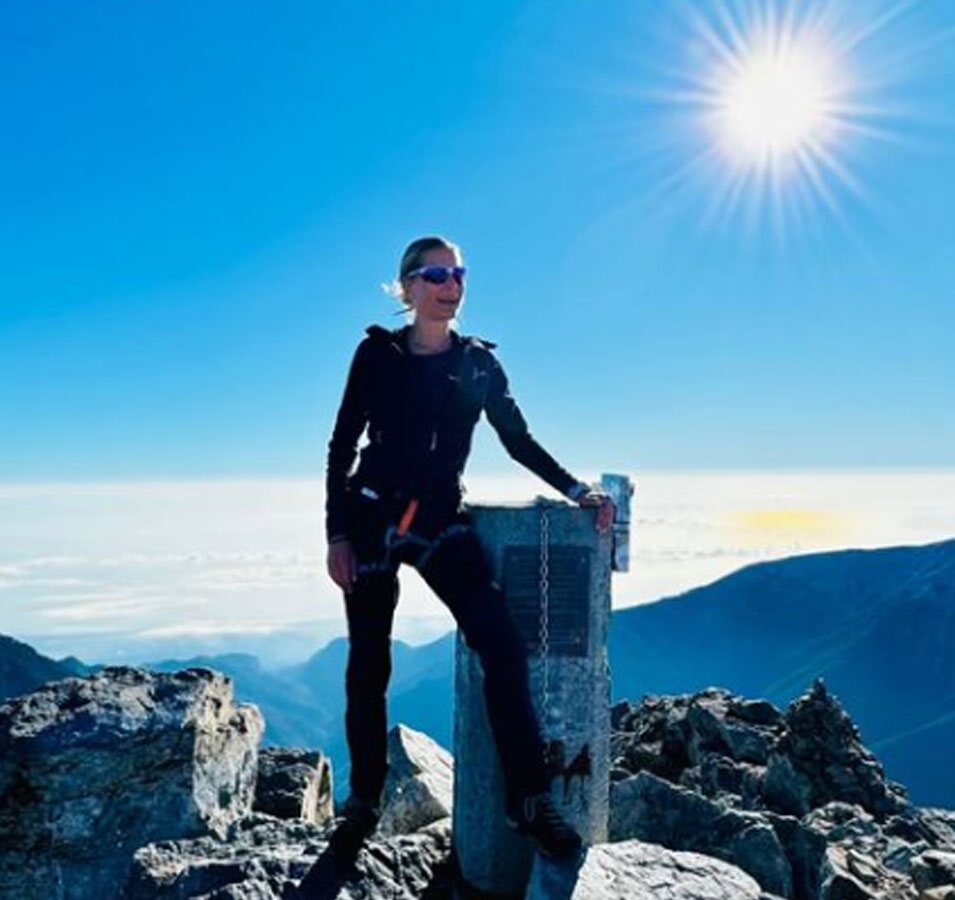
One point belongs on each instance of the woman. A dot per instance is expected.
(418, 393)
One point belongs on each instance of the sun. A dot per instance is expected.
(776, 102)
(768, 110)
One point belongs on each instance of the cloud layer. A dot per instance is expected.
(213, 557)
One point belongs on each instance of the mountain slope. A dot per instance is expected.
(22, 669)
(878, 625)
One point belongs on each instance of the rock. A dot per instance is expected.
(821, 756)
(839, 822)
(633, 870)
(842, 886)
(851, 875)
(740, 781)
(420, 784)
(294, 783)
(93, 768)
(620, 715)
(933, 868)
(943, 892)
(263, 858)
(651, 809)
(786, 790)
(805, 849)
(940, 823)
(673, 737)
(755, 712)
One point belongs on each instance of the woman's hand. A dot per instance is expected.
(604, 508)
(341, 564)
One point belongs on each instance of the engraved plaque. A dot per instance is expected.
(569, 580)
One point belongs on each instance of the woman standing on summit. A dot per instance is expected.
(418, 392)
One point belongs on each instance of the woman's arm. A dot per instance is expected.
(342, 448)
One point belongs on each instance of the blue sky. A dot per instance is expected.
(201, 200)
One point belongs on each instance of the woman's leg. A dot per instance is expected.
(370, 608)
(460, 575)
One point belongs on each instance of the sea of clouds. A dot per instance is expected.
(132, 570)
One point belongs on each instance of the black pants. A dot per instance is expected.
(447, 554)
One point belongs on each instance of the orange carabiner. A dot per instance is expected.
(407, 517)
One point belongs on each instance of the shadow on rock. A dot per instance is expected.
(326, 878)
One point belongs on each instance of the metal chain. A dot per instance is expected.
(543, 625)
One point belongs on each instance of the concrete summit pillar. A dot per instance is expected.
(555, 570)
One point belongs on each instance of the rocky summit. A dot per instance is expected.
(132, 785)
(791, 797)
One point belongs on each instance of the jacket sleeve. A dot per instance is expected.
(505, 416)
(343, 447)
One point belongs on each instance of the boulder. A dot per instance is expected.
(294, 783)
(933, 868)
(943, 892)
(263, 858)
(93, 768)
(652, 809)
(633, 870)
(420, 784)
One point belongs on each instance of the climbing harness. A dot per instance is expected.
(401, 535)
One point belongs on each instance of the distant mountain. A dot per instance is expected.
(276, 649)
(22, 669)
(877, 625)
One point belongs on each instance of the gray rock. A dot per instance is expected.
(672, 737)
(294, 783)
(755, 712)
(805, 848)
(821, 754)
(262, 858)
(420, 783)
(944, 892)
(850, 874)
(843, 828)
(633, 870)
(92, 768)
(941, 824)
(786, 789)
(933, 868)
(840, 822)
(651, 809)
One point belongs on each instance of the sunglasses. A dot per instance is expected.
(439, 274)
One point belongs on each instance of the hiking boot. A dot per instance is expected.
(538, 818)
(359, 819)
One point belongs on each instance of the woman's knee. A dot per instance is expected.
(491, 633)
(369, 665)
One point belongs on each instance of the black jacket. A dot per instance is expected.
(392, 464)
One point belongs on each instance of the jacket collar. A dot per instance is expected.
(397, 338)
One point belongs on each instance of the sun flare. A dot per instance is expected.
(772, 106)
(775, 102)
